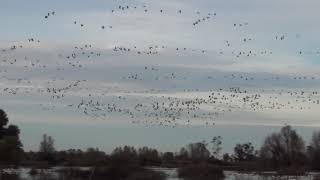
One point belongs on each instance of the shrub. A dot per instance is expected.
(33, 172)
(124, 172)
(147, 175)
(201, 172)
(9, 176)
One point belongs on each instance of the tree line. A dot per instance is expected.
(280, 150)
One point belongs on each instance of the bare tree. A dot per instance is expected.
(314, 151)
(285, 148)
(47, 145)
(124, 154)
(244, 152)
(183, 154)
(198, 151)
(216, 146)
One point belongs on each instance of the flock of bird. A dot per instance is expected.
(161, 106)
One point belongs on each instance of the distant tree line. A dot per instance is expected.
(281, 150)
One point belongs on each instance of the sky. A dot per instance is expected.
(259, 59)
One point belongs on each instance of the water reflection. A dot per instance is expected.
(52, 174)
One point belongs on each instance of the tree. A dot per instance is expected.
(126, 154)
(3, 122)
(10, 149)
(148, 155)
(284, 149)
(198, 151)
(46, 149)
(183, 154)
(168, 157)
(3, 119)
(216, 146)
(93, 156)
(12, 130)
(10, 144)
(47, 144)
(314, 151)
(226, 157)
(244, 152)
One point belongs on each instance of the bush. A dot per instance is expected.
(147, 175)
(69, 173)
(201, 172)
(33, 172)
(9, 176)
(124, 172)
(316, 177)
(292, 171)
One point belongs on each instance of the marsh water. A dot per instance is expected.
(52, 174)
(232, 175)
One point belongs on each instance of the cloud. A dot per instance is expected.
(207, 63)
